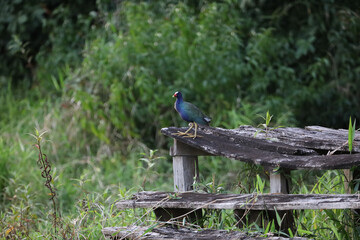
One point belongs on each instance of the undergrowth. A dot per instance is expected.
(104, 109)
(91, 176)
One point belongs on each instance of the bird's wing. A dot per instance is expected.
(195, 113)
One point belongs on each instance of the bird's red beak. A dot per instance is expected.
(175, 94)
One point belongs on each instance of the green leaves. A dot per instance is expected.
(222, 57)
(304, 46)
(38, 136)
(259, 184)
(351, 134)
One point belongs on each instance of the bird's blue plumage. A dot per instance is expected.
(189, 112)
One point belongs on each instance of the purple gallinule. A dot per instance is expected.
(190, 113)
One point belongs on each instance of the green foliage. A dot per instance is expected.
(102, 80)
(265, 127)
(259, 185)
(150, 161)
(145, 63)
(5, 153)
(222, 58)
(351, 134)
(41, 36)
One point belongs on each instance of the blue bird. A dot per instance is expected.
(190, 113)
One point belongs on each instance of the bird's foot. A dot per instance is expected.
(180, 133)
(192, 136)
(185, 134)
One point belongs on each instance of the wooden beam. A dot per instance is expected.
(137, 232)
(192, 200)
(271, 153)
(182, 149)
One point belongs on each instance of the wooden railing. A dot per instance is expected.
(283, 149)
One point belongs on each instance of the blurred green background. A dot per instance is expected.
(99, 75)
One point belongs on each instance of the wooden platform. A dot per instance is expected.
(170, 233)
(192, 200)
(288, 148)
(278, 150)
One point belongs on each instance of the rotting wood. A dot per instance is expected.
(184, 169)
(182, 149)
(348, 174)
(312, 137)
(185, 166)
(192, 200)
(300, 152)
(170, 233)
(279, 183)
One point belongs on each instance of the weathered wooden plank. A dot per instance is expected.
(278, 184)
(232, 135)
(312, 137)
(136, 232)
(182, 149)
(184, 168)
(223, 142)
(242, 201)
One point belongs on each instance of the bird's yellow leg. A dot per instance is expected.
(192, 125)
(194, 135)
(186, 132)
(196, 126)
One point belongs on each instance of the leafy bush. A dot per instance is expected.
(222, 56)
(39, 36)
(234, 59)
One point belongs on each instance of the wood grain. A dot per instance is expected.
(192, 200)
(170, 233)
(289, 148)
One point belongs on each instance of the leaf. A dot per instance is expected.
(278, 218)
(291, 235)
(268, 118)
(272, 226)
(43, 133)
(351, 134)
(267, 228)
(303, 232)
(150, 228)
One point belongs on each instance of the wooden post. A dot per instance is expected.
(348, 178)
(185, 165)
(184, 168)
(355, 176)
(279, 184)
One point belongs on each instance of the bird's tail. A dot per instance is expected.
(207, 120)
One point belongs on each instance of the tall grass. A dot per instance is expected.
(89, 182)
(103, 116)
